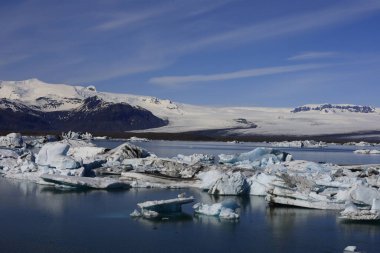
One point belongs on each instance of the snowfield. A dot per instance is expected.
(326, 119)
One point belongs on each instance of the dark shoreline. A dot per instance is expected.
(224, 135)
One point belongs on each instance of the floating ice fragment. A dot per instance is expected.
(223, 210)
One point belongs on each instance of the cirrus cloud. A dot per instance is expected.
(176, 80)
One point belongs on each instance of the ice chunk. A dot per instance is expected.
(86, 154)
(85, 182)
(164, 206)
(361, 194)
(300, 144)
(224, 210)
(259, 157)
(137, 139)
(71, 135)
(12, 140)
(117, 155)
(231, 183)
(209, 178)
(367, 151)
(149, 214)
(194, 158)
(375, 205)
(135, 213)
(260, 183)
(350, 249)
(360, 215)
(54, 155)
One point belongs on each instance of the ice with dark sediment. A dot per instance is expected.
(85, 182)
(359, 213)
(300, 144)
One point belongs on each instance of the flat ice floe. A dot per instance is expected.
(367, 151)
(154, 208)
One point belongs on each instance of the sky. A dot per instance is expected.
(209, 52)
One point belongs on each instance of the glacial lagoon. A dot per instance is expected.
(34, 218)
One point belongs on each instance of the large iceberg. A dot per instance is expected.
(231, 183)
(54, 155)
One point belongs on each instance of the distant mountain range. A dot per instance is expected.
(34, 106)
(330, 108)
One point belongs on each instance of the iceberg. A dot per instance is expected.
(260, 183)
(231, 183)
(194, 158)
(71, 135)
(12, 140)
(208, 178)
(363, 195)
(125, 151)
(224, 210)
(152, 209)
(137, 139)
(367, 151)
(300, 144)
(352, 212)
(257, 158)
(54, 155)
(86, 154)
(85, 182)
(296, 190)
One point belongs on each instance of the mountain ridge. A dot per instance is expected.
(167, 116)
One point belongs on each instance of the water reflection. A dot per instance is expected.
(103, 217)
(371, 228)
(282, 219)
(206, 220)
(31, 195)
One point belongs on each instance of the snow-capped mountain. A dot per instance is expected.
(34, 106)
(30, 104)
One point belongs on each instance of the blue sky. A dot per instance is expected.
(216, 52)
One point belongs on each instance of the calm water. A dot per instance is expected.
(39, 219)
(36, 219)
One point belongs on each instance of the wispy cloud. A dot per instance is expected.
(13, 59)
(288, 25)
(122, 20)
(49, 33)
(176, 80)
(173, 9)
(312, 56)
